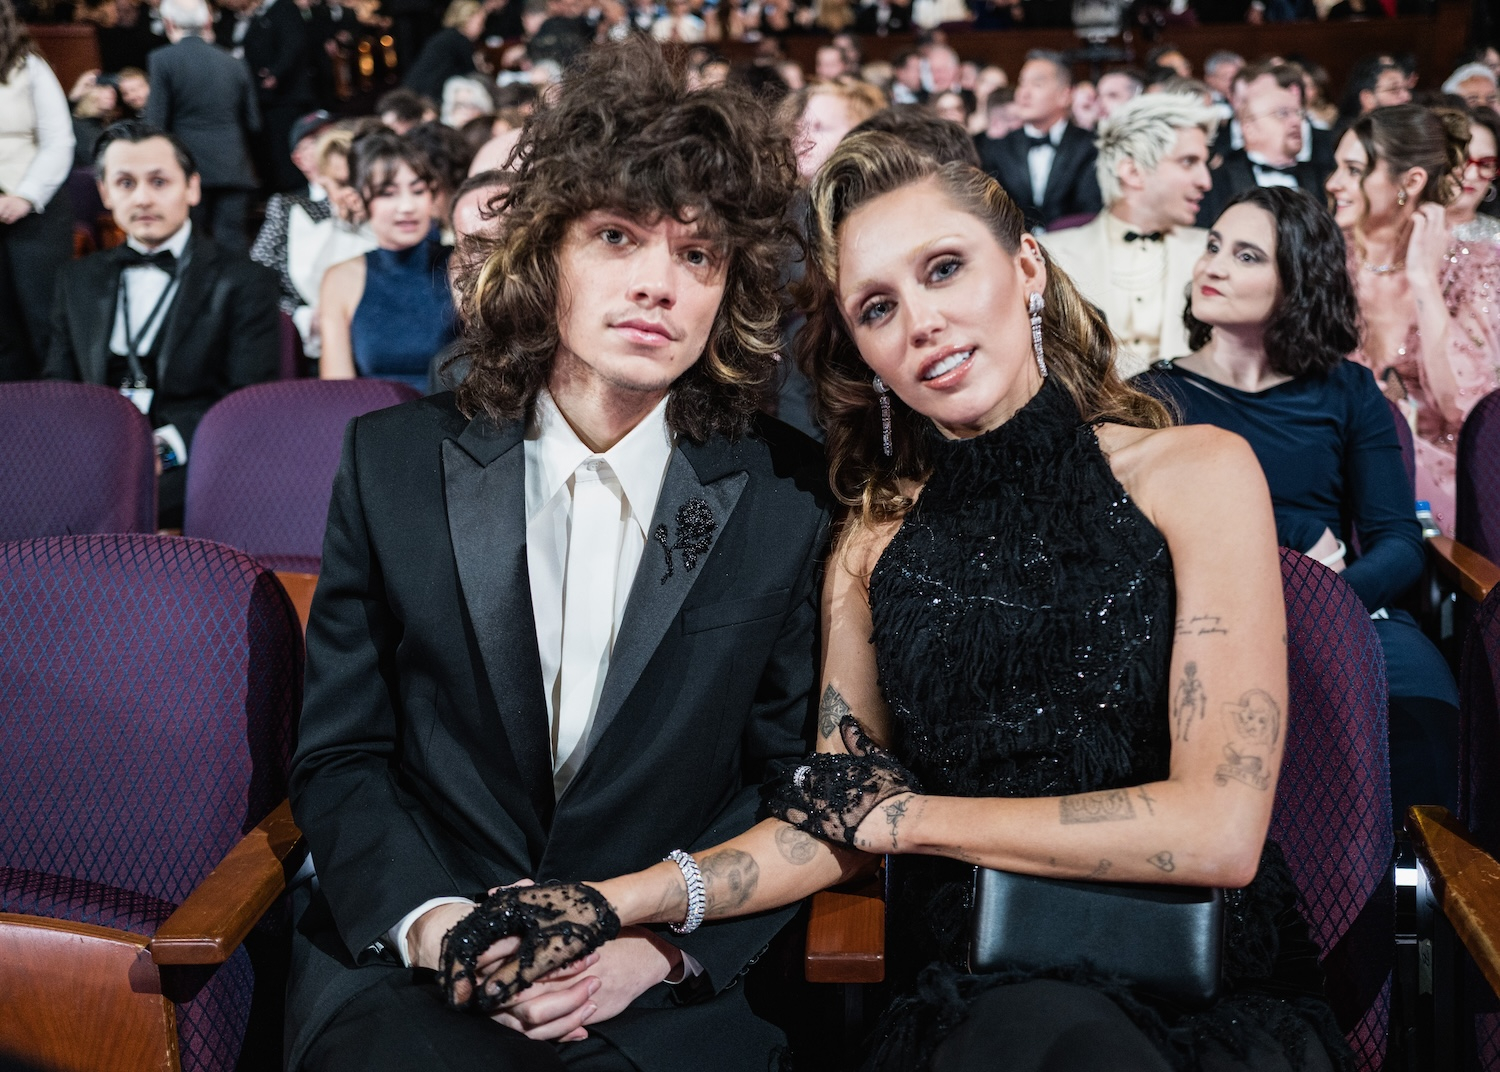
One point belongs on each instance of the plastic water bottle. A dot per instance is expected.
(1426, 520)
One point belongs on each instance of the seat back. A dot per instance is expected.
(1478, 481)
(74, 459)
(264, 459)
(1479, 726)
(1333, 804)
(148, 691)
(289, 341)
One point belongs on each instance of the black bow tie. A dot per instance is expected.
(164, 259)
(1034, 142)
(1136, 236)
(1290, 170)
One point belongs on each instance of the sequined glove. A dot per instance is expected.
(830, 794)
(556, 922)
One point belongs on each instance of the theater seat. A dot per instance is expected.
(1478, 483)
(148, 691)
(74, 459)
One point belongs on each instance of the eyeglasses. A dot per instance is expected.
(1281, 115)
(1487, 166)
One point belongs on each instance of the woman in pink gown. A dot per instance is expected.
(1430, 303)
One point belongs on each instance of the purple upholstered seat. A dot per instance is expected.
(1333, 804)
(148, 691)
(263, 464)
(1478, 488)
(74, 459)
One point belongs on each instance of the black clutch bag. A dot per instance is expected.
(1167, 941)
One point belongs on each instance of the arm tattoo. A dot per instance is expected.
(831, 712)
(1101, 870)
(1201, 625)
(895, 811)
(729, 880)
(1255, 722)
(796, 848)
(1189, 703)
(1163, 861)
(1146, 799)
(1107, 807)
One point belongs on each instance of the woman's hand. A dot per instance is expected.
(13, 208)
(1426, 249)
(1329, 550)
(832, 794)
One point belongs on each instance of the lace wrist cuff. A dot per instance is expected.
(697, 900)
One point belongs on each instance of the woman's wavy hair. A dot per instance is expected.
(1406, 136)
(374, 157)
(15, 41)
(627, 135)
(1079, 347)
(1315, 323)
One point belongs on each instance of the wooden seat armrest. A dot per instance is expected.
(210, 925)
(846, 933)
(1465, 882)
(299, 587)
(1468, 570)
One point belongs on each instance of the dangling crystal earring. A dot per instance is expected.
(1401, 198)
(1034, 305)
(885, 416)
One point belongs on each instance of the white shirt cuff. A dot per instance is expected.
(396, 936)
(691, 969)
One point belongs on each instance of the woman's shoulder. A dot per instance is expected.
(1163, 465)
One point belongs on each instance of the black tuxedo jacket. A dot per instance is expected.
(423, 765)
(220, 334)
(1072, 186)
(276, 42)
(1235, 173)
(204, 95)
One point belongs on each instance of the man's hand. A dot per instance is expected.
(424, 938)
(597, 988)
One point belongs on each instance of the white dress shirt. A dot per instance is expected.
(1040, 157)
(1266, 175)
(556, 461)
(144, 285)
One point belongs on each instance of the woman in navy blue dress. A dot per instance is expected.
(385, 314)
(1272, 319)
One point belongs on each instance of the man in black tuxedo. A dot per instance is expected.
(203, 96)
(1047, 166)
(1272, 124)
(170, 318)
(273, 39)
(567, 619)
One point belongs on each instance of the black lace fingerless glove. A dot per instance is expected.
(829, 794)
(557, 922)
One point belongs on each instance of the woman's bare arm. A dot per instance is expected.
(338, 296)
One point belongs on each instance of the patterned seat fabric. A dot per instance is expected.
(1478, 487)
(148, 687)
(264, 459)
(1333, 803)
(74, 459)
(1479, 788)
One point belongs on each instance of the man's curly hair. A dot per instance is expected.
(626, 135)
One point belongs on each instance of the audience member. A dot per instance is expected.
(171, 318)
(401, 109)
(96, 104)
(1374, 83)
(906, 88)
(1135, 260)
(385, 314)
(203, 97)
(1047, 166)
(135, 90)
(828, 63)
(679, 24)
(1170, 58)
(1322, 113)
(1477, 181)
(1273, 127)
(303, 236)
(1117, 87)
(304, 144)
(1085, 111)
(477, 209)
(465, 98)
(1219, 72)
(1430, 314)
(823, 113)
(449, 53)
(1273, 315)
(36, 213)
(272, 38)
(1476, 84)
(918, 129)
(450, 156)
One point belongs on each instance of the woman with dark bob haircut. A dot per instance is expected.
(713, 161)
(1002, 685)
(1272, 319)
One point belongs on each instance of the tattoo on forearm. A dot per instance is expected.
(1101, 870)
(1201, 625)
(1107, 807)
(1146, 799)
(1163, 861)
(831, 712)
(1189, 703)
(895, 811)
(796, 848)
(729, 880)
(1255, 722)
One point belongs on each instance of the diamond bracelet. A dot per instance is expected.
(697, 901)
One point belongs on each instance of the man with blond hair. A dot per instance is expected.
(1135, 259)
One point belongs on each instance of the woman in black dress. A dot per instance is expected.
(1062, 617)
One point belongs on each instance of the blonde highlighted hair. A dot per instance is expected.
(1079, 347)
(1144, 129)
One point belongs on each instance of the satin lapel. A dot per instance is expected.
(195, 282)
(484, 478)
(655, 596)
(93, 352)
(1064, 163)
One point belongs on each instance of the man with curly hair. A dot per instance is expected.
(567, 618)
